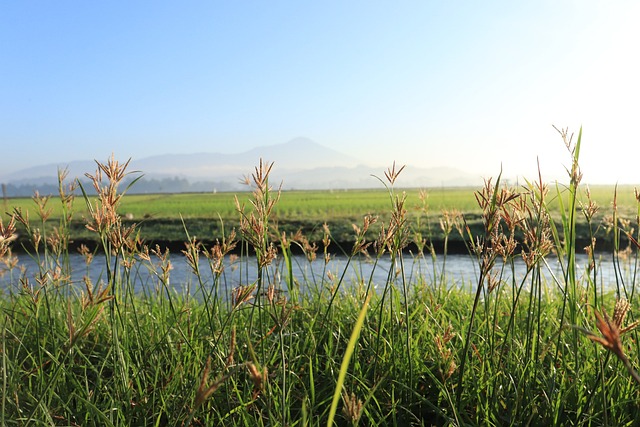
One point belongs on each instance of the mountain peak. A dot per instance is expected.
(303, 142)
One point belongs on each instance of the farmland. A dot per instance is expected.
(162, 218)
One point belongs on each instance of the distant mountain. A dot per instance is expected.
(300, 163)
(49, 172)
(367, 177)
(296, 155)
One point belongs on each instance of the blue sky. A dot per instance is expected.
(467, 84)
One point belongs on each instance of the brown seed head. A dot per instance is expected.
(352, 408)
(611, 329)
(204, 392)
(7, 235)
(391, 174)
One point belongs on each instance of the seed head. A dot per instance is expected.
(204, 392)
(352, 408)
(611, 329)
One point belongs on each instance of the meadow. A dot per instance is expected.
(162, 218)
(313, 350)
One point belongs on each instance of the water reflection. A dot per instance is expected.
(456, 270)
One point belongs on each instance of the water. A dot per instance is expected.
(457, 270)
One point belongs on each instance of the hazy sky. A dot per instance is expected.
(469, 84)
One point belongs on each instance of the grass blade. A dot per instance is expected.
(346, 359)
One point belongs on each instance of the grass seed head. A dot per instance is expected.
(242, 294)
(8, 261)
(392, 174)
(204, 391)
(611, 329)
(44, 212)
(258, 377)
(7, 235)
(352, 407)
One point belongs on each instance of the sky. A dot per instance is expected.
(475, 85)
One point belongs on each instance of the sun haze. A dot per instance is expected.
(472, 85)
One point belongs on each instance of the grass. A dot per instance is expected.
(313, 204)
(161, 218)
(315, 350)
(316, 205)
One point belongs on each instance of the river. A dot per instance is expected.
(456, 270)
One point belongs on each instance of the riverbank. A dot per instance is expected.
(170, 234)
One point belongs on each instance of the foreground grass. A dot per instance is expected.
(141, 361)
(284, 349)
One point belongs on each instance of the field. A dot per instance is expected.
(315, 350)
(162, 218)
(318, 206)
(314, 205)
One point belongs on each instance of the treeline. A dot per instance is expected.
(142, 186)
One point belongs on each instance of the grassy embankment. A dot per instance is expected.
(500, 352)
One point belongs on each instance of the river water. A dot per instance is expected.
(454, 270)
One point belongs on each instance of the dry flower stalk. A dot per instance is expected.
(104, 218)
(254, 226)
(205, 391)
(500, 208)
(242, 294)
(611, 331)
(258, 377)
(8, 262)
(192, 254)
(391, 174)
(86, 254)
(165, 264)
(574, 174)
(445, 353)
(95, 294)
(326, 242)
(80, 328)
(219, 251)
(7, 235)
(361, 243)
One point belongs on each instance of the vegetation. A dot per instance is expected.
(314, 350)
(161, 218)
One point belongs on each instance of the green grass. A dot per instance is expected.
(160, 216)
(149, 370)
(141, 363)
(420, 351)
(314, 205)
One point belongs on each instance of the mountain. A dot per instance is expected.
(369, 177)
(300, 163)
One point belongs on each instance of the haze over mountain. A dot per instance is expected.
(299, 164)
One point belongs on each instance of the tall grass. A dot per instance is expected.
(302, 349)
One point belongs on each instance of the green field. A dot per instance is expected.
(315, 205)
(160, 216)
